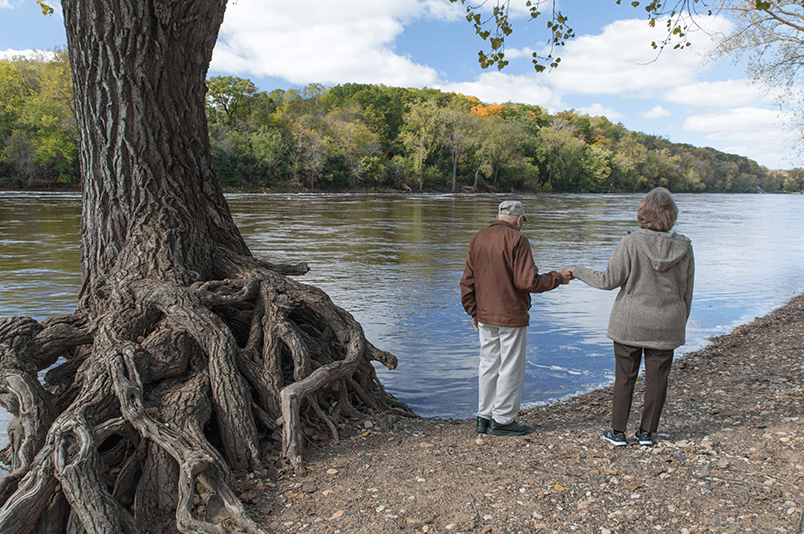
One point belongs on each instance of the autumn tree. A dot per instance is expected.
(188, 359)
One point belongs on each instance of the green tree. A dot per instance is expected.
(458, 131)
(37, 121)
(309, 142)
(630, 155)
(562, 156)
(228, 94)
(421, 134)
(350, 135)
(596, 170)
(498, 147)
(53, 147)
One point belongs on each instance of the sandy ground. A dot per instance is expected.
(730, 459)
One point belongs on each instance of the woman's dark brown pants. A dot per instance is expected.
(657, 369)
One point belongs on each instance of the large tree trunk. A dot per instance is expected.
(188, 360)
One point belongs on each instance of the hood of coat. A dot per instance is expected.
(665, 249)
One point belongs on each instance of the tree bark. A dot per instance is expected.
(187, 357)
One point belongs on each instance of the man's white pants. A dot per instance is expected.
(502, 371)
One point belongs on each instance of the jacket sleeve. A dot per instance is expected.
(468, 299)
(690, 282)
(615, 275)
(526, 274)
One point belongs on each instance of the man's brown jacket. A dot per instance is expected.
(500, 275)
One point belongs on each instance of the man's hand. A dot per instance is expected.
(566, 275)
(474, 323)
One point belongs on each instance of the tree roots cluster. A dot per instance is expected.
(172, 390)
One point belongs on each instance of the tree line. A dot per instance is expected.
(377, 138)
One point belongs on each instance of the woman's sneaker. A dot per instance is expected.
(645, 438)
(615, 437)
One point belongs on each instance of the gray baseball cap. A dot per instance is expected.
(511, 208)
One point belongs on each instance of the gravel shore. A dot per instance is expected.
(730, 459)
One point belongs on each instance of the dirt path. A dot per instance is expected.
(730, 459)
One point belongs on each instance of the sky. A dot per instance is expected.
(609, 69)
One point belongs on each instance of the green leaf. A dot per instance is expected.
(633, 4)
(763, 5)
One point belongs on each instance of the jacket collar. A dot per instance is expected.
(500, 222)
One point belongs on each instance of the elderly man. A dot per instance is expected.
(496, 285)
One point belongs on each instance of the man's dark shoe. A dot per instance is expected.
(483, 425)
(615, 437)
(511, 429)
(645, 438)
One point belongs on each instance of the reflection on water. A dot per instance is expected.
(394, 262)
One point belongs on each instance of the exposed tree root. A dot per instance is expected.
(173, 390)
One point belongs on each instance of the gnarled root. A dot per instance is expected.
(172, 392)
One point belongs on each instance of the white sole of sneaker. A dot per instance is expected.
(615, 443)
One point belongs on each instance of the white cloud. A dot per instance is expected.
(759, 134)
(497, 87)
(598, 110)
(656, 112)
(620, 60)
(330, 42)
(724, 93)
(5, 4)
(513, 53)
(741, 124)
(28, 53)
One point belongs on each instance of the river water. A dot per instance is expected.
(395, 261)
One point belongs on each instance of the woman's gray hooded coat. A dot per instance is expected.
(655, 273)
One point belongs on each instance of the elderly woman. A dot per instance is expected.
(654, 269)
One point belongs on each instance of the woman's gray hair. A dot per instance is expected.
(657, 211)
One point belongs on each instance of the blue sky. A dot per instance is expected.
(609, 69)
